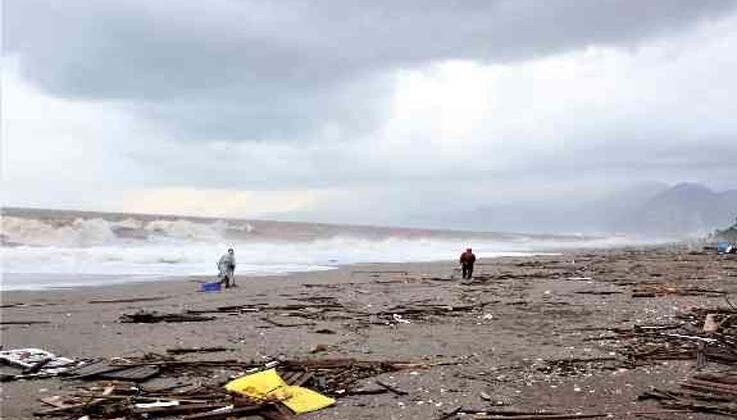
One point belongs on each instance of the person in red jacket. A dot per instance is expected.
(467, 260)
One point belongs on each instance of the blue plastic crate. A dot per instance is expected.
(210, 287)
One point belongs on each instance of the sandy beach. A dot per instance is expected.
(492, 343)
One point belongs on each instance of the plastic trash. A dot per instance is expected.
(28, 358)
(158, 404)
(725, 248)
(398, 318)
(268, 385)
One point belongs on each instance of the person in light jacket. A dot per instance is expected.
(226, 266)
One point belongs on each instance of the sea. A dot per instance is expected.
(46, 249)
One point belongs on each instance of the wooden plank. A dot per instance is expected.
(134, 374)
(92, 370)
(128, 300)
(224, 414)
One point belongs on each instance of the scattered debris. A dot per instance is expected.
(332, 310)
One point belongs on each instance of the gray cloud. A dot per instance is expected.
(557, 103)
(249, 70)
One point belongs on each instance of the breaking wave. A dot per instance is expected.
(81, 232)
(145, 246)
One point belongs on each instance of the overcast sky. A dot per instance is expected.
(381, 111)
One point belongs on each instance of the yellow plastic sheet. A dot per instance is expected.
(268, 385)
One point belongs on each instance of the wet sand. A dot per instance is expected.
(518, 314)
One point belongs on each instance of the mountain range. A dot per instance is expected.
(647, 210)
(683, 210)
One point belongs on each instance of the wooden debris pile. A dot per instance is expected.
(197, 393)
(337, 377)
(703, 335)
(135, 402)
(704, 392)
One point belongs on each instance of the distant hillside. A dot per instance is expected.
(685, 209)
(648, 209)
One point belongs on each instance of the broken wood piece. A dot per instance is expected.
(152, 317)
(450, 413)
(60, 402)
(178, 409)
(128, 300)
(180, 350)
(219, 414)
(391, 387)
(367, 391)
(543, 416)
(285, 324)
(38, 366)
(299, 378)
(599, 292)
(380, 272)
(710, 324)
(103, 370)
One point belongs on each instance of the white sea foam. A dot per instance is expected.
(135, 249)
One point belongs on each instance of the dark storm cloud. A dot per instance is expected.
(246, 70)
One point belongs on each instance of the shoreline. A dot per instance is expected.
(134, 279)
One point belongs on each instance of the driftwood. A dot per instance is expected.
(128, 300)
(180, 350)
(225, 414)
(391, 388)
(151, 317)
